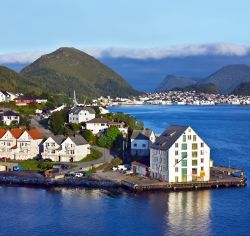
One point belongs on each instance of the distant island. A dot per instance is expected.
(229, 79)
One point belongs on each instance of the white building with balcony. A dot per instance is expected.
(180, 155)
(59, 148)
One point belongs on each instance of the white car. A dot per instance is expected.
(78, 174)
(122, 167)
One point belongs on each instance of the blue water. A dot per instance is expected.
(30, 211)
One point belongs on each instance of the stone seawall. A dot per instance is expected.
(46, 182)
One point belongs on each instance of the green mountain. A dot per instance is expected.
(201, 88)
(69, 69)
(9, 79)
(243, 89)
(172, 82)
(229, 77)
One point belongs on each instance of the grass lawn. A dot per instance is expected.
(35, 165)
(94, 155)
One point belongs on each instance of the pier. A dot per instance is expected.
(221, 177)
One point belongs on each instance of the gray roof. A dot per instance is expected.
(78, 139)
(99, 120)
(169, 137)
(58, 138)
(76, 110)
(141, 134)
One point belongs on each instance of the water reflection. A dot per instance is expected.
(188, 213)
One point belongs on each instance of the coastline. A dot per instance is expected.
(132, 186)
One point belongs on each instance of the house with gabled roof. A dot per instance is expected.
(9, 117)
(99, 125)
(140, 142)
(80, 114)
(20, 144)
(180, 155)
(60, 148)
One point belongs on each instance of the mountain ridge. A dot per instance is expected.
(226, 79)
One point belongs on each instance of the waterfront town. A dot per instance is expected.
(109, 146)
(176, 98)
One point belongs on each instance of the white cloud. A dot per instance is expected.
(154, 53)
(173, 51)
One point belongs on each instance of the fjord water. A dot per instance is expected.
(59, 211)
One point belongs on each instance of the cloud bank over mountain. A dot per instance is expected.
(220, 49)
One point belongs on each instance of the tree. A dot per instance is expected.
(57, 121)
(88, 136)
(25, 121)
(107, 139)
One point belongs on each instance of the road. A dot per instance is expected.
(107, 156)
(35, 123)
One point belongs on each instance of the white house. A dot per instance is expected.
(140, 142)
(103, 111)
(19, 144)
(6, 96)
(98, 125)
(81, 114)
(65, 149)
(140, 168)
(180, 155)
(9, 117)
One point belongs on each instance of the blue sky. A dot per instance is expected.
(44, 25)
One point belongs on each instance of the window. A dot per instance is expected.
(184, 146)
(202, 168)
(189, 137)
(202, 152)
(194, 146)
(135, 144)
(202, 160)
(176, 153)
(184, 162)
(194, 171)
(176, 145)
(184, 155)
(184, 171)
(202, 144)
(194, 162)
(184, 138)
(194, 137)
(194, 154)
(176, 161)
(144, 145)
(176, 169)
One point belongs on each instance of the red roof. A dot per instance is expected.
(2, 132)
(35, 134)
(16, 132)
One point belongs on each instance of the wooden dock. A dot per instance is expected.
(221, 177)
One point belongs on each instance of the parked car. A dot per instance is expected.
(57, 166)
(47, 160)
(69, 175)
(4, 158)
(65, 166)
(122, 167)
(129, 172)
(78, 174)
(18, 168)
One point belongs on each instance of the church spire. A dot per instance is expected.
(74, 99)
